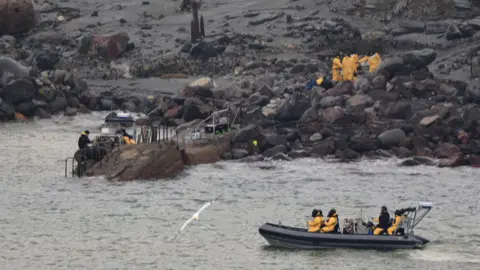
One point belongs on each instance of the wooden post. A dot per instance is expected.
(202, 27)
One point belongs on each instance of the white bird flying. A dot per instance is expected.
(195, 216)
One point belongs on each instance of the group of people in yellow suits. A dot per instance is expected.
(318, 224)
(346, 68)
(384, 223)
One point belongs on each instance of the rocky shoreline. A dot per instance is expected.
(412, 106)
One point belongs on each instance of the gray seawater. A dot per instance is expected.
(48, 221)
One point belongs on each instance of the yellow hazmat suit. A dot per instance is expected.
(395, 224)
(336, 68)
(373, 61)
(355, 65)
(315, 224)
(348, 68)
(330, 224)
(127, 140)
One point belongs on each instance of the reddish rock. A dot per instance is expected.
(454, 161)
(108, 47)
(140, 161)
(446, 150)
(17, 16)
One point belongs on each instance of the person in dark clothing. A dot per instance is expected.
(83, 141)
(383, 221)
(323, 82)
(122, 131)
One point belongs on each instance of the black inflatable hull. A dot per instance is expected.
(297, 238)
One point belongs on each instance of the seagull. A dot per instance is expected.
(195, 216)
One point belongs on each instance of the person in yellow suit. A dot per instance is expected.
(348, 68)
(336, 69)
(331, 225)
(355, 65)
(126, 137)
(398, 219)
(373, 61)
(317, 222)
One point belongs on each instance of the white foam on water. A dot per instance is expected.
(434, 255)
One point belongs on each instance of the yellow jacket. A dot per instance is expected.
(331, 223)
(336, 63)
(373, 61)
(397, 221)
(355, 62)
(315, 224)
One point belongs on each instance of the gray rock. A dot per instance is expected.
(58, 104)
(418, 58)
(392, 137)
(247, 134)
(194, 108)
(473, 90)
(26, 108)
(271, 139)
(265, 90)
(332, 115)
(383, 95)
(390, 66)
(298, 154)
(453, 32)
(7, 109)
(18, 91)
(69, 111)
(462, 4)
(292, 108)
(239, 153)
(342, 88)
(323, 148)
(436, 27)
(429, 120)
(359, 102)
(330, 101)
(42, 114)
(316, 137)
(476, 66)
(281, 156)
(275, 150)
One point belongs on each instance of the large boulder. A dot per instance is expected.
(418, 58)
(271, 139)
(275, 150)
(359, 102)
(141, 162)
(342, 88)
(17, 16)
(391, 137)
(292, 108)
(9, 65)
(247, 134)
(194, 108)
(18, 91)
(473, 90)
(323, 148)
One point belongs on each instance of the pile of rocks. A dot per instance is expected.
(401, 110)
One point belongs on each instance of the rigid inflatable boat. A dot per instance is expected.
(352, 233)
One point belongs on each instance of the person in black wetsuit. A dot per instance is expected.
(383, 221)
(83, 141)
